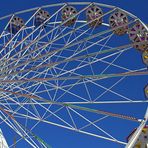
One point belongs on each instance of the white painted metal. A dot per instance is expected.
(3, 143)
(137, 133)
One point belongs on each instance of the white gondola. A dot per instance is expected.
(41, 17)
(118, 19)
(16, 23)
(67, 12)
(138, 34)
(94, 16)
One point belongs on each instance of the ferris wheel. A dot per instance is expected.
(79, 66)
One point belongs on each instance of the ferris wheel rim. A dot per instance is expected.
(67, 3)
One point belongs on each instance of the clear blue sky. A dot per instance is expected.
(62, 138)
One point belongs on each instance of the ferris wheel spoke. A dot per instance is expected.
(109, 90)
(59, 104)
(19, 106)
(37, 112)
(40, 141)
(50, 53)
(106, 90)
(85, 109)
(100, 86)
(44, 90)
(102, 33)
(86, 81)
(53, 36)
(69, 92)
(83, 49)
(72, 119)
(138, 72)
(96, 121)
(21, 115)
(18, 103)
(16, 40)
(77, 130)
(19, 53)
(74, 103)
(106, 133)
(70, 59)
(20, 131)
(116, 83)
(6, 101)
(107, 102)
(72, 128)
(115, 65)
(4, 31)
(63, 72)
(66, 42)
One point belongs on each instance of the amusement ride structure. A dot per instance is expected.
(78, 66)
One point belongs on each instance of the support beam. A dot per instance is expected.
(137, 133)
